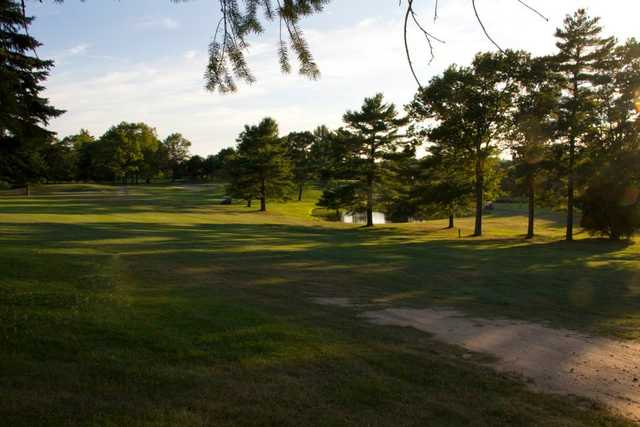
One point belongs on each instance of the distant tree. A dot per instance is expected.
(152, 150)
(61, 160)
(339, 195)
(211, 166)
(177, 148)
(221, 163)
(467, 108)
(533, 122)
(302, 164)
(122, 151)
(81, 145)
(195, 167)
(329, 155)
(242, 183)
(445, 184)
(263, 162)
(581, 61)
(399, 177)
(371, 135)
(24, 113)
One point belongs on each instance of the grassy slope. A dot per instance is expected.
(157, 307)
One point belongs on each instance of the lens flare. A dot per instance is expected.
(636, 100)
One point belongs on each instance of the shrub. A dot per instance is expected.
(611, 208)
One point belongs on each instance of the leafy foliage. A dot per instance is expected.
(177, 148)
(466, 111)
(611, 202)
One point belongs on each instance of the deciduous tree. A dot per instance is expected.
(467, 108)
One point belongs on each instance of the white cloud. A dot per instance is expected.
(159, 23)
(190, 54)
(78, 50)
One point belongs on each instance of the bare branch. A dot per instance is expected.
(486, 33)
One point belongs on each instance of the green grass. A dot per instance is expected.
(157, 306)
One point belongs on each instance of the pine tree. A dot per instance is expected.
(299, 152)
(265, 167)
(24, 113)
(581, 60)
(371, 134)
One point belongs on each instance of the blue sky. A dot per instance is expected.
(143, 60)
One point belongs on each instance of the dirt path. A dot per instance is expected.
(556, 360)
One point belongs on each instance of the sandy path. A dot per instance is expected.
(556, 360)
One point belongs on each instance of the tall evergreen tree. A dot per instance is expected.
(611, 201)
(372, 134)
(581, 61)
(24, 113)
(264, 164)
(299, 152)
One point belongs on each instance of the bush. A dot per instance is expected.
(610, 208)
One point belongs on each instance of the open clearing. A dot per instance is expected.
(165, 308)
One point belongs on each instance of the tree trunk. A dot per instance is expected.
(27, 190)
(248, 203)
(263, 197)
(479, 195)
(451, 221)
(532, 205)
(570, 188)
(300, 190)
(370, 201)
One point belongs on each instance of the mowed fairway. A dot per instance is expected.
(158, 306)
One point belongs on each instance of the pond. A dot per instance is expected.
(361, 218)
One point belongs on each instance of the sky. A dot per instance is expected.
(144, 60)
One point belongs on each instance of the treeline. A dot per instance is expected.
(561, 131)
(569, 123)
(129, 153)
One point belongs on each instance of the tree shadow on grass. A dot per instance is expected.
(590, 284)
(215, 322)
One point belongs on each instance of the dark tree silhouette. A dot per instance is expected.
(582, 57)
(468, 109)
(372, 133)
(24, 113)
